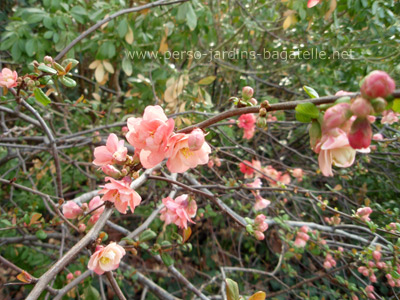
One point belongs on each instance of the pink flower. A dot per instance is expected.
(247, 122)
(336, 115)
(261, 203)
(245, 169)
(178, 211)
(377, 137)
(298, 173)
(312, 3)
(360, 134)
(149, 135)
(255, 184)
(181, 158)
(71, 210)
(120, 193)
(96, 202)
(377, 84)
(389, 117)
(364, 213)
(272, 175)
(285, 178)
(8, 78)
(196, 139)
(113, 152)
(106, 259)
(334, 148)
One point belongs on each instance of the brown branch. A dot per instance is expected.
(115, 285)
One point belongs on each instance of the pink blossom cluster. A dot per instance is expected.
(329, 261)
(363, 213)
(346, 126)
(260, 225)
(261, 203)
(335, 220)
(71, 276)
(248, 123)
(154, 140)
(302, 237)
(178, 211)
(71, 210)
(369, 289)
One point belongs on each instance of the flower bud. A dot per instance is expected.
(77, 273)
(391, 283)
(377, 84)
(112, 171)
(70, 276)
(376, 255)
(336, 115)
(377, 137)
(371, 264)
(360, 134)
(262, 122)
(196, 139)
(253, 101)
(265, 104)
(372, 278)
(247, 92)
(48, 59)
(82, 227)
(361, 107)
(379, 105)
(71, 210)
(327, 264)
(259, 235)
(210, 163)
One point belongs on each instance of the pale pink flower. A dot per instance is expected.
(71, 210)
(364, 213)
(272, 175)
(377, 137)
(285, 178)
(248, 123)
(8, 78)
(120, 193)
(96, 202)
(298, 174)
(261, 203)
(255, 184)
(389, 117)
(178, 211)
(181, 158)
(113, 152)
(106, 259)
(149, 135)
(334, 148)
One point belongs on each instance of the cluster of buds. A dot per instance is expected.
(335, 220)
(363, 213)
(302, 237)
(329, 261)
(257, 226)
(71, 276)
(247, 98)
(72, 211)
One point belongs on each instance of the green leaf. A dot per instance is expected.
(191, 18)
(167, 259)
(311, 92)
(396, 105)
(147, 235)
(207, 80)
(41, 234)
(122, 28)
(48, 35)
(305, 112)
(232, 289)
(47, 69)
(41, 96)
(127, 66)
(91, 293)
(30, 47)
(68, 82)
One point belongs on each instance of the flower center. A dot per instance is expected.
(186, 152)
(105, 260)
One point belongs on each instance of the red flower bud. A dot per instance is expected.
(377, 84)
(361, 107)
(360, 134)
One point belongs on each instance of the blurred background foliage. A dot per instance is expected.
(117, 78)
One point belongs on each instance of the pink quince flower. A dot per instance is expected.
(106, 259)
(298, 174)
(389, 117)
(120, 193)
(95, 202)
(178, 211)
(312, 3)
(245, 169)
(261, 203)
(334, 148)
(71, 210)
(248, 123)
(113, 152)
(149, 135)
(260, 225)
(364, 213)
(181, 158)
(377, 84)
(285, 178)
(8, 78)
